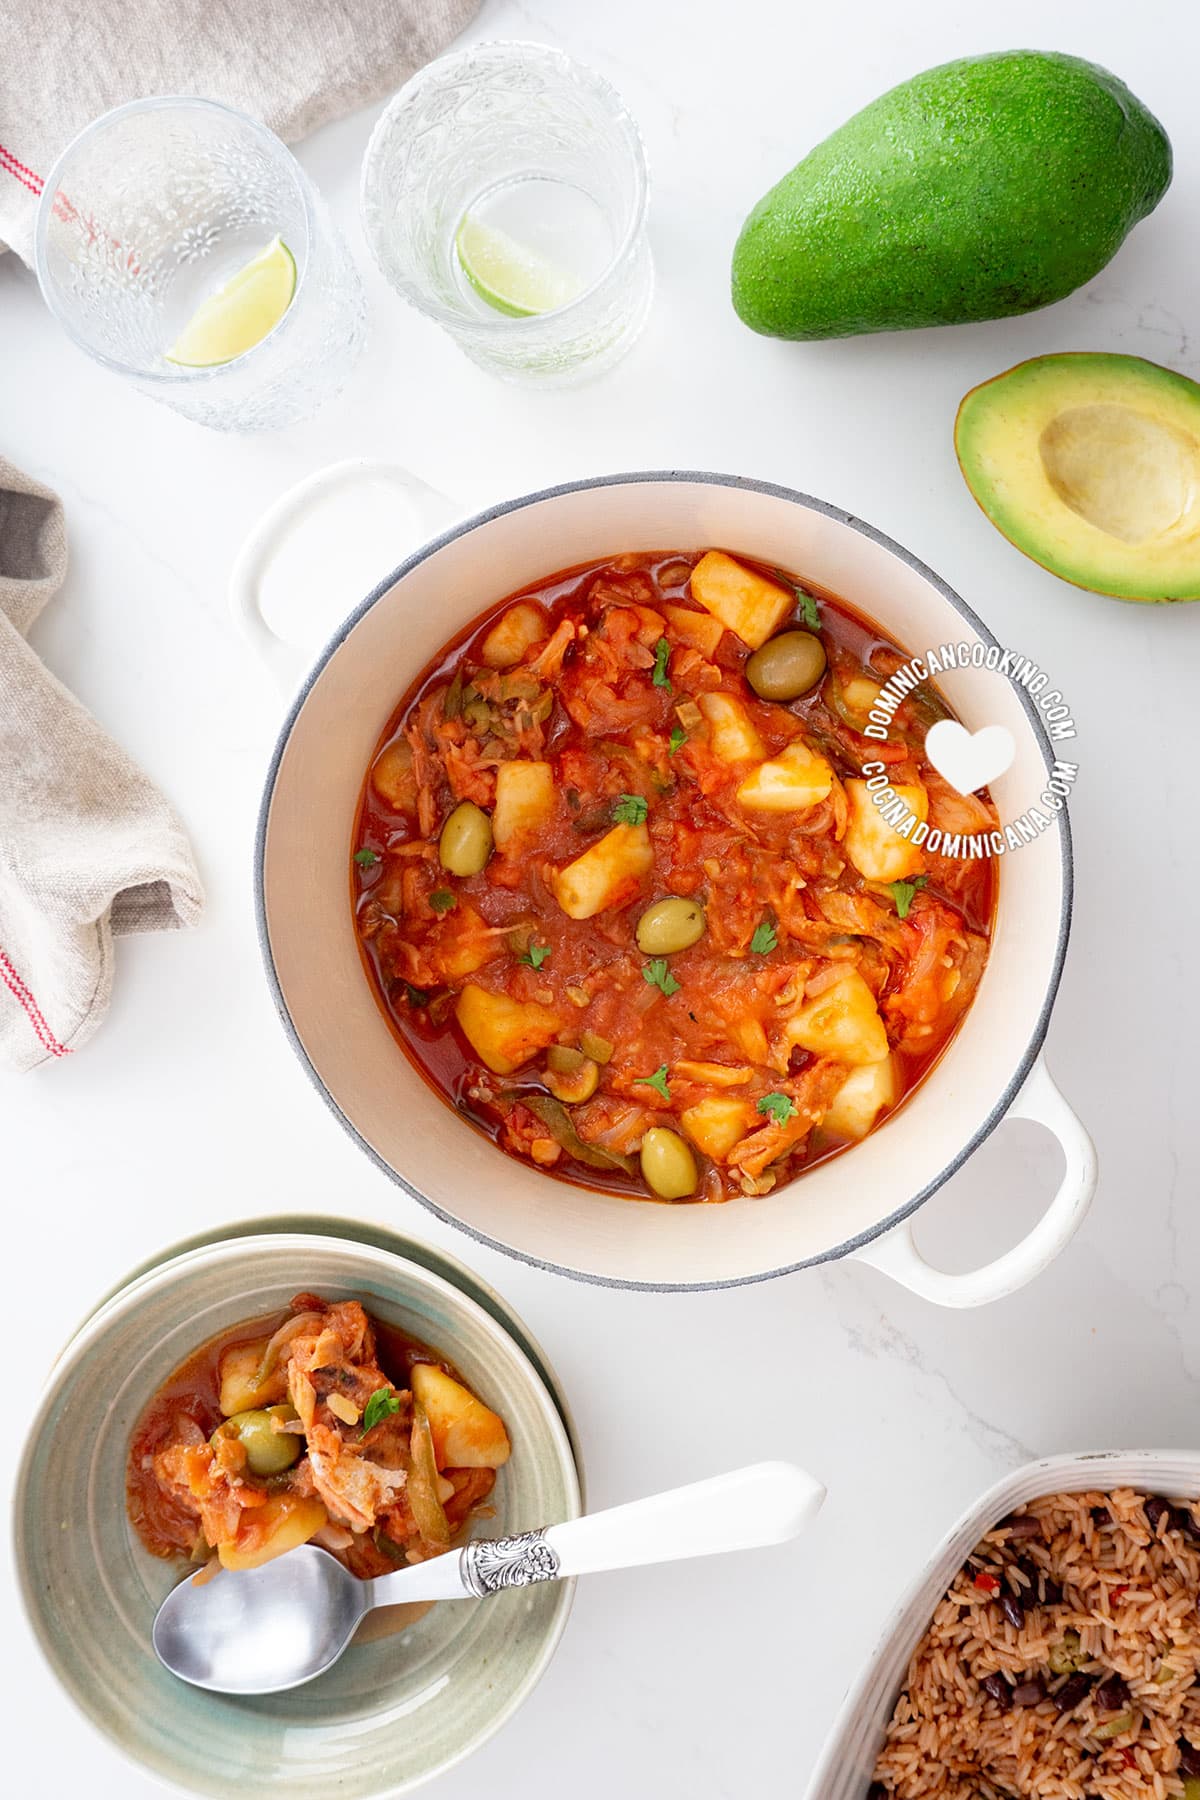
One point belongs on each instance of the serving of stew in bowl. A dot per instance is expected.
(245, 1396)
(575, 900)
(322, 1426)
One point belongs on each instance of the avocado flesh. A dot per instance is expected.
(1090, 464)
(979, 189)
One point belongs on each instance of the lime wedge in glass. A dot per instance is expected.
(241, 313)
(511, 278)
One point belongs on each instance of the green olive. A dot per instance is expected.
(268, 1452)
(668, 1164)
(786, 666)
(466, 840)
(571, 1076)
(670, 925)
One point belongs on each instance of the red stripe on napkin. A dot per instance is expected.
(16, 987)
(18, 170)
(63, 208)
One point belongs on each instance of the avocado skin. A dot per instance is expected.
(979, 189)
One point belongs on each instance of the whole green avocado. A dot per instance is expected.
(982, 188)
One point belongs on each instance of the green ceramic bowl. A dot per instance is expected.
(392, 1713)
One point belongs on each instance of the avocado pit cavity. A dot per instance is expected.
(1131, 476)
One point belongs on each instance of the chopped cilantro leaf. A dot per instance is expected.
(630, 809)
(535, 956)
(662, 655)
(903, 892)
(808, 609)
(764, 939)
(416, 996)
(659, 976)
(382, 1404)
(658, 1081)
(366, 859)
(441, 900)
(778, 1106)
(677, 740)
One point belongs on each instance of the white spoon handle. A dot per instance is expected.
(764, 1504)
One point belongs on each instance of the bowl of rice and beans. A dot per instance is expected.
(1052, 1650)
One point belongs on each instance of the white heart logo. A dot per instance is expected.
(969, 760)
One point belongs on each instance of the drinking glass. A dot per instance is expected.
(521, 139)
(150, 210)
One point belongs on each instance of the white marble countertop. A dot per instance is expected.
(189, 1108)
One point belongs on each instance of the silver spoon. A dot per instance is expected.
(261, 1630)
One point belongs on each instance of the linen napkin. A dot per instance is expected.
(89, 848)
(294, 64)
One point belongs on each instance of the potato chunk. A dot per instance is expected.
(515, 631)
(503, 1033)
(241, 1390)
(750, 1038)
(842, 1023)
(524, 801)
(747, 604)
(699, 629)
(466, 943)
(466, 1433)
(861, 1098)
(282, 1523)
(392, 776)
(716, 1123)
(874, 847)
(608, 874)
(859, 695)
(730, 729)
(794, 779)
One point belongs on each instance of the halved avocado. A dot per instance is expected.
(1090, 464)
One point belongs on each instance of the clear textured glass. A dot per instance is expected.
(521, 137)
(151, 209)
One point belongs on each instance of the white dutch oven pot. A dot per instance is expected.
(859, 1204)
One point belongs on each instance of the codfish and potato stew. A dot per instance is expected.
(324, 1425)
(624, 894)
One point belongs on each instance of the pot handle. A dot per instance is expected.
(896, 1253)
(376, 490)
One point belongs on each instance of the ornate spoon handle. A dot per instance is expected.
(490, 1564)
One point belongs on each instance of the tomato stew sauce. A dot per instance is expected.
(605, 741)
(190, 1490)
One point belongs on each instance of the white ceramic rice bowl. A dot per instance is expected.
(844, 1770)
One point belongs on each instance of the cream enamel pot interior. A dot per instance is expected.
(861, 1202)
